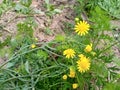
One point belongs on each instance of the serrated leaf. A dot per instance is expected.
(26, 3)
(57, 10)
(116, 60)
(47, 1)
(107, 59)
(111, 7)
(112, 86)
(18, 7)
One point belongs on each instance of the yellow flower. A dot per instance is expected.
(83, 64)
(75, 85)
(69, 53)
(64, 77)
(88, 48)
(76, 19)
(36, 39)
(72, 72)
(82, 28)
(33, 46)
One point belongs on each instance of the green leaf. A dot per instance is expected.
(10, 64)
(18, 7)
(107, 59)
(26, 3)
(111, 7)
(57, 10)
(100, 19)
(6, 42)
(100, 69)
(27, 67)
(5, 52)
(107, 37)
(112, 86)
(21, 8)
(116, 60)
(47, 1)
(60, 38)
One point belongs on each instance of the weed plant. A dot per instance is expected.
(79, 60)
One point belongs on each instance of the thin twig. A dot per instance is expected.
(5, 29)
(32, 15)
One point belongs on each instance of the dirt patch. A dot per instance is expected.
(53, 23)
(115, 23)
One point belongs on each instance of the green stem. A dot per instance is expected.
(77, 76)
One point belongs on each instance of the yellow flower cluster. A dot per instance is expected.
(71, 75)
(74, 85)
(83, 64)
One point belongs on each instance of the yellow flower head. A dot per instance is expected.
(83, 64)
(82, 28)
(64, 77)
(69, 53)
(75, 85)
(33, 46)
(88, 48)
(72, 72)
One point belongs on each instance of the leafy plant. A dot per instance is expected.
(78, 60)
(23, 6)
(111, 7)
(51, 10)
(5, 6)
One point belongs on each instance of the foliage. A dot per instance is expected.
(23, 6)
(51, 10)
(111, 7)
(5, 6)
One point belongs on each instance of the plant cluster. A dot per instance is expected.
(79, 60)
